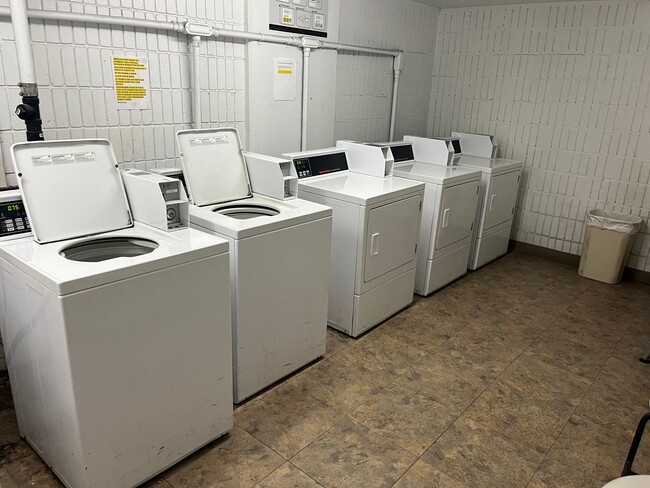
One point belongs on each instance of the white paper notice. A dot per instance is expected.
(284, 79)
(131, 83)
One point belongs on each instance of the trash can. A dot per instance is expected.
(608, 242)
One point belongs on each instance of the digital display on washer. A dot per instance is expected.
(320, 165)
(403, 152)
(13, 218)
(456, 144)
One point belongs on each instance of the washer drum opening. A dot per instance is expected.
(244, 212)
(107, 248)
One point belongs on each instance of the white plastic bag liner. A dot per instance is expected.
(625, 224)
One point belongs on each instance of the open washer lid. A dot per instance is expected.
(214, 165)
(71, 188)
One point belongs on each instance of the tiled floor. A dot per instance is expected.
(520, 375)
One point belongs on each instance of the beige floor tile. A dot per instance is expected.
(421, 332)
(595, 450)
(286, 419)
(239, 460)
(384, 355)
(411, 420)
(610, 407)
(449, 380)
(535, 375)
(422, 475)
(6, 401)
(523, 417)
(287, 476)
(632, 345)
(586, 330)
(339, 384)
(552, 474)
(336, 341)
(20, 465)
(8, 427)
(482, 458)
(350, 455)
(627, 376)
(156, 483)
(584, 358)
(492, 342)
(462, 300)
(514, 323)
(618, 310)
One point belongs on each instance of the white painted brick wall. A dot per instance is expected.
(364, 83)
(564, 87)
(73, 63)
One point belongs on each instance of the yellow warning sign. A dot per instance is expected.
(131, 83)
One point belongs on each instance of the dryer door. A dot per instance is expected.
(457, 213)
(501, 199)
(391, 236)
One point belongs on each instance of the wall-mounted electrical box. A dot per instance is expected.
(307, 17)
(157, 200)
(368, 159)
(271, 176)
(480, 145)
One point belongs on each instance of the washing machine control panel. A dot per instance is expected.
(13, 218)
(320, 165)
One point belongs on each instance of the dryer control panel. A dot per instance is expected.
(13, 218)
(320, 165)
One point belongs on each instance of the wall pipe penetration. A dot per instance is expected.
(20, 15)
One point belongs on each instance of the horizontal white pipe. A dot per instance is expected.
(26, 69)
(98, 19)
(179, 27)
(358, 49)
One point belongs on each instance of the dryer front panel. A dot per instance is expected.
(457, 213)
(391, 236)
(501, 199)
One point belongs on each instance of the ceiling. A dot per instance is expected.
(480, 3)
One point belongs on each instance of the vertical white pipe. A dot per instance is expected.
(196, 81)
(397, 69)
(23, 41)
(305, 97)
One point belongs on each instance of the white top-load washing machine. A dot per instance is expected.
(117, 334)
(374, 237)
(498, 196)
(450, 200)
(280, 252)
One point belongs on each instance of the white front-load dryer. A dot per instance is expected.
(450, 203)
(376, 222)
(117, 335)
(280, 254)
(496, 206)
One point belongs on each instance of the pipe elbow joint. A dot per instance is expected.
(26, 112)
